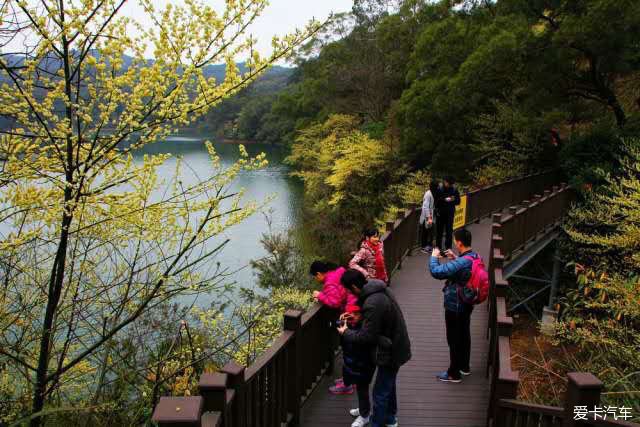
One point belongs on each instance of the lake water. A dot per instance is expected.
(273, 180)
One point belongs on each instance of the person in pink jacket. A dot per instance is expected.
(336, 296)
(333, 294)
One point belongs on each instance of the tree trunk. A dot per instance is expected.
(604, 91)
(621, 117)
(58, 270)
(55, 291)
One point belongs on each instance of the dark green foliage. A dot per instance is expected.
(587, 158)
(241, 116)
(605, 229)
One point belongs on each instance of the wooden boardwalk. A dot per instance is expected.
(422, 399)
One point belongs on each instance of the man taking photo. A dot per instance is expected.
(457, 313)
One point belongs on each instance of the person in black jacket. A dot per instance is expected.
(446, 201)
(383, 328)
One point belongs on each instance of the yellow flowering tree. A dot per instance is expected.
(89, 244)
(347, 175)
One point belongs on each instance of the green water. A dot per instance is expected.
(273, 181)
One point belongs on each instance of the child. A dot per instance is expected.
(357, 369)
(333, 294)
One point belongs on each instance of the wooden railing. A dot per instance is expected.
(485, 201)
(511, 233)
(271, 391)
(400, 237)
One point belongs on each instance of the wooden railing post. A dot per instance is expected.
(213, 389)
(236, 380)
(505, 382)
(179, 412)
(399, 241)
(412, 234)
(389, 245)
(535, 216)
(583, 390)
(293, 323)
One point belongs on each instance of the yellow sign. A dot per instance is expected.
(460, 217)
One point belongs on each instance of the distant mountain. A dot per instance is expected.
(219, 70)
(273, 80)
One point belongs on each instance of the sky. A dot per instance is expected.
(279, 18)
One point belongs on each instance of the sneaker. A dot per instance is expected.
(360, 422)
(341, 389)
(445, 377)
(465, 373)
(393, 423)
(354, 412)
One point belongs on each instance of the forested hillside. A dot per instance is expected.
(396, 93)
(479, 90)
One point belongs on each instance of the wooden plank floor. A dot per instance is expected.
(422, 399)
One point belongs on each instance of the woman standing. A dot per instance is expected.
(428, 217)
(369, 260)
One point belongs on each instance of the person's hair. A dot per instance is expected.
(353, 277)
(451, 180)
(321, 267)
(433, 186)
(463, 236)
(366, 234)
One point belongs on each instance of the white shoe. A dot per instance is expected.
(360, 422)
(354, 412)
(392, 425)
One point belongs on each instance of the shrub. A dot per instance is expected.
(285, 265)
(605, 231)
(410, 191)
(601, 317)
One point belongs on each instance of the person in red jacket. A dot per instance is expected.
(369, 260)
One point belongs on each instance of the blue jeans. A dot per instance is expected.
(385, 403)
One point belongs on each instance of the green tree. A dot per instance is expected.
(590, 45)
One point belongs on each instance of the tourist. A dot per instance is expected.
(384, 329)
(427, 217)
(358, 366)
(335, 296)
(457, 312)
(447, 200)
(369, 260)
